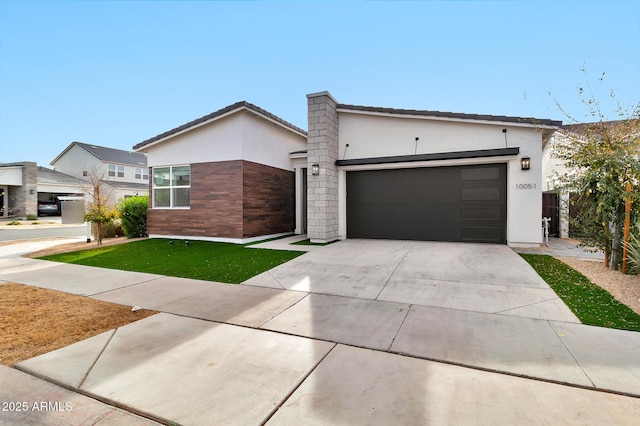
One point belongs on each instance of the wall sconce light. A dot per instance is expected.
(31, 191)
(315, 169)
(525, 162)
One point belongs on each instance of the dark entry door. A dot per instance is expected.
(461, 203)
(551, 208)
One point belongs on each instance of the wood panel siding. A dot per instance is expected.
(231, 199)
(269, 200)
(216, 204)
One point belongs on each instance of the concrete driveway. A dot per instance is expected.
(471, 277)
(357, 332)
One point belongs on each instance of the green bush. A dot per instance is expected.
(634, 254)
(133, 214)
(32, 217)
(109, 229)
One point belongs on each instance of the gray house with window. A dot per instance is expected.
(123, 173)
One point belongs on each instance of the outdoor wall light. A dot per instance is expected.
(525, 162)
(31, 191)
(315, 169)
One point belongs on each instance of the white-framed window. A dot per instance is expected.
(115, 170)
(142, 173)
(171, 187)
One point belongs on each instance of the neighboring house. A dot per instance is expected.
(24, 185)
(361, 172)
(555, 201)
(123, 173)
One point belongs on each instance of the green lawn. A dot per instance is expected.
(222, 262)
(590, 303)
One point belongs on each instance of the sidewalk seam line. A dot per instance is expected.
(571, 353)
(393, 273)
(276, 280)
(525, 306)
(127, 286)
(84, 378)
(295, 388)
(259, 327)
(399, 328)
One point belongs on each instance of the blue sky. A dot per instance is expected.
(117, 73)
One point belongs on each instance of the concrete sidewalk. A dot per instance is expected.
(28, 400)
(564, 247)
(243, 354)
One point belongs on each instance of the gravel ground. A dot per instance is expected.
(625, 288)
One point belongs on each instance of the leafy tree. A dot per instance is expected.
(98, 209)
(602, 158)
(133, 214)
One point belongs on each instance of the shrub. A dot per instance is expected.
(32, 217)
(133, 213)
(634, 254)
(109, 229)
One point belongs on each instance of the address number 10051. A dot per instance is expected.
(525, 186)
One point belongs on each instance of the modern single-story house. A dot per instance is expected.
(241, 173)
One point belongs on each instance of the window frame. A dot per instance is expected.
(170, 187)
(115, 170)
(141, 173)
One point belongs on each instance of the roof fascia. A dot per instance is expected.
(450, 119)
(65, 151)
(275, 122)
(218, 117)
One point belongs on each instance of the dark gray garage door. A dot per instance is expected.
(462, 203)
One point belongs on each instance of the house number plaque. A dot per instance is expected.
(525, 186)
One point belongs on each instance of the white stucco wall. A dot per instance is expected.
(552, 167)
(77, 159)
(11, 175)
(239, 136)
(60, 188)
(381, 136)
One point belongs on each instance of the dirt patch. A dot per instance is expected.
(624, 288)
(80, 245)
(34, 321)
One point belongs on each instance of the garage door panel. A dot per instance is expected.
(481, 235)
(485, 173)
(474, 214)
(462, 203)
(480, 194)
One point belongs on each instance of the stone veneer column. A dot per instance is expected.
(23, 202)
(322, 190)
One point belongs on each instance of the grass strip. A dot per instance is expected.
(202, 260)
(590, 303)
